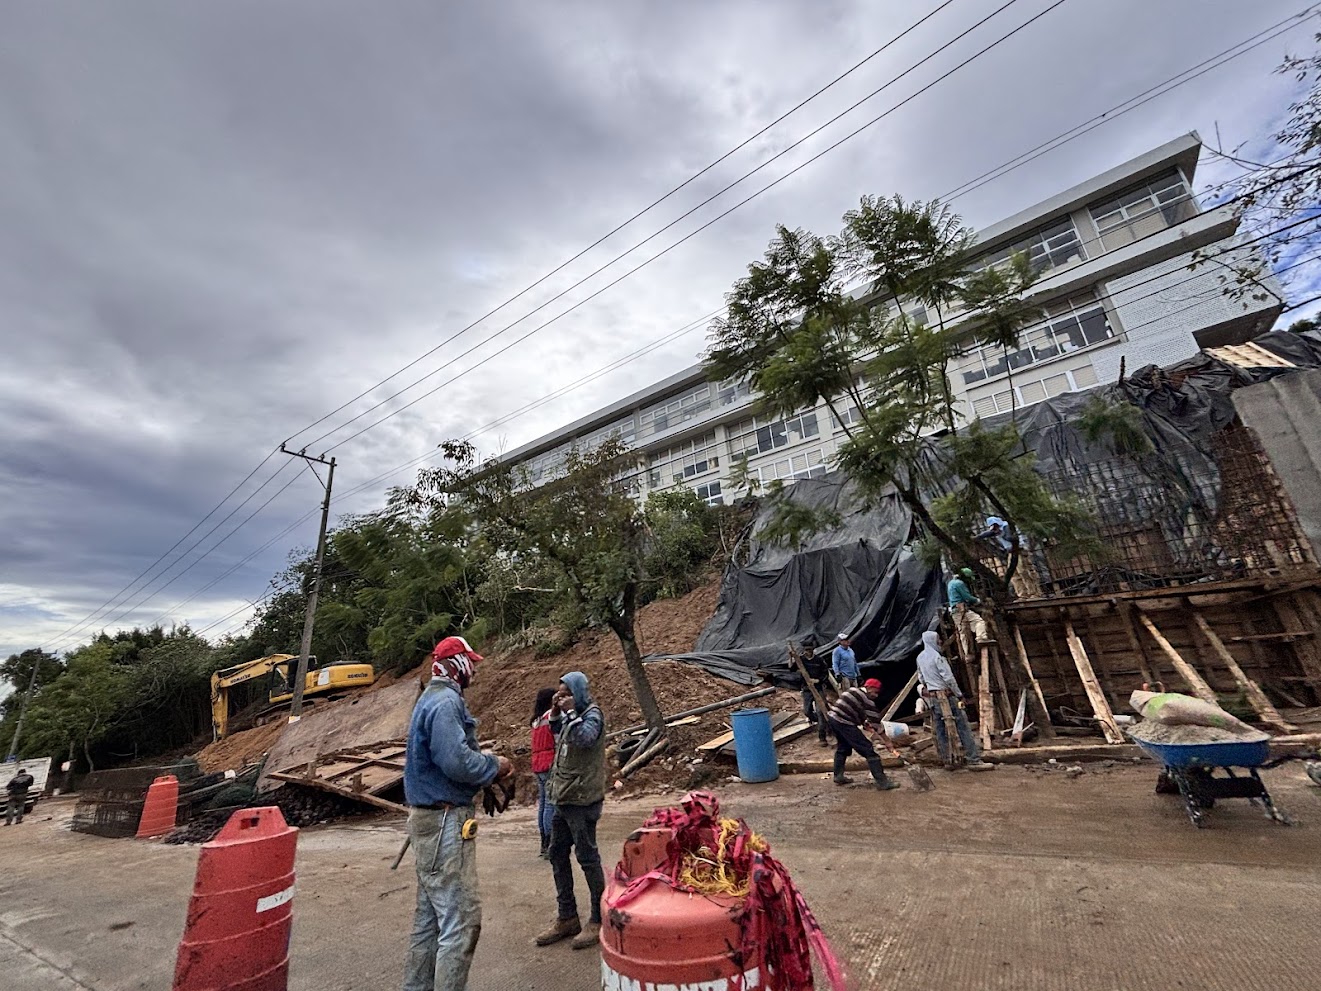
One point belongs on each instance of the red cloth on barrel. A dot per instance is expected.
(777, 926)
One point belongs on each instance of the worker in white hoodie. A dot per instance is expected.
(936, 680)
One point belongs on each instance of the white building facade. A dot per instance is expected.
(1114, 254)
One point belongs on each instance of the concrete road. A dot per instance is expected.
(1015, 879)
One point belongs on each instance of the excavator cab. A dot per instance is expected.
(328, 682)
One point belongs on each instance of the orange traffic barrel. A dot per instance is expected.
(160, 807)
(240, 917)
(663, 937)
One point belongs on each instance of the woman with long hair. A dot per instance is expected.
(543, 755)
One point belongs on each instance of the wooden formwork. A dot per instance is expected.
(1254, 640)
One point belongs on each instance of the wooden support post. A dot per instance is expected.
(985, 707)
(898, 700)
(1001, 689)
(1094, 693)
(821, 710)
(1292, 617)
(1041, 718)
(1150, 676)
(1256, 697)
(1102, 662)
(1186, 671)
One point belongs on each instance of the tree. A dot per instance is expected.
(800, 338)
(591, 536)
(1276, 195)
(81, 706)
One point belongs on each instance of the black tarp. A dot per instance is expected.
(863, 577)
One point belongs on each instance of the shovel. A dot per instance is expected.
(918, 775)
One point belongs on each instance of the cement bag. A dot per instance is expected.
(1175, 709)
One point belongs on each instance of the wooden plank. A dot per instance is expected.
(985, 707)
(1041, 718)
(1288, 636)
(898, 700)
(1256, 697)
(1150, 673)
(715, 743)
(1201, 590)
(1102, 662)
(792, 731)
(1095, 695)
(1002, 689)
(778, 721)
(326, 786)
(1186, 671)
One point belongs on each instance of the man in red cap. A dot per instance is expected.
(854, 708)
(443, 772)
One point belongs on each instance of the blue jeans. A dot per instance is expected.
(545, 811)
(960, 724)
(448, 919)
(574, 826)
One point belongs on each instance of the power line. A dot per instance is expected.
(1141, 99)
(636, 216)
(1113, 113)
(111, 602)
(710, 223)
(129, 607)
(215, 581)
(1146, 96)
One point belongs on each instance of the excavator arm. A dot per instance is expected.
(226, 678)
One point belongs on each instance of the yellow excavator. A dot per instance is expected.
(322, 682)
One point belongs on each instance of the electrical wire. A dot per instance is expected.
(1152, 93)
(660, 254)
(636, 216)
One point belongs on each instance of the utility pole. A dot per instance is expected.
(27, 700)
(304, 651)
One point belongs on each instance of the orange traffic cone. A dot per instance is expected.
(236, 936)
(160, 808)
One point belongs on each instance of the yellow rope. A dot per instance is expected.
(709, 872)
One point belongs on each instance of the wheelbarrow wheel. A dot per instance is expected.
(1166, 785)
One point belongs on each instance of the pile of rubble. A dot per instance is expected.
(300, 807)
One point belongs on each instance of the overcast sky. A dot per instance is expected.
(218, 222)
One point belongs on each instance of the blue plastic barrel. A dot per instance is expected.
(754, 745)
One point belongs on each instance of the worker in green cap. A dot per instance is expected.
(968, 623)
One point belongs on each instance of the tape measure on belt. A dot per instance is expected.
(469, 830)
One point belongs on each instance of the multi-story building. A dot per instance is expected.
(1114, 254)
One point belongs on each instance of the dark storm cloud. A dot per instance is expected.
(219, 221)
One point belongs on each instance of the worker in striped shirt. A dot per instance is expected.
(852, 711)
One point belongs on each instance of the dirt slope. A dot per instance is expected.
(502, 693)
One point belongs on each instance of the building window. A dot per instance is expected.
(684, 461)
(758, 435)
(710, 494)
(846, 418)
(1070, 326)
(1050, 247)
(1143, 210)
(680, 409)
(1034, 391)
(729, 393)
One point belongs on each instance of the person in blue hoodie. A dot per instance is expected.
(577, 790)
(443, 771)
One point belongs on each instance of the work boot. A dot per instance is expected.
(878, 775)
(545, 847)
(589, 937)
(562, 929)
(838, 776)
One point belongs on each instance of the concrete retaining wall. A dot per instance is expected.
(1286, 414)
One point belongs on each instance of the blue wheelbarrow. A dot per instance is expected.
(1204, 772)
